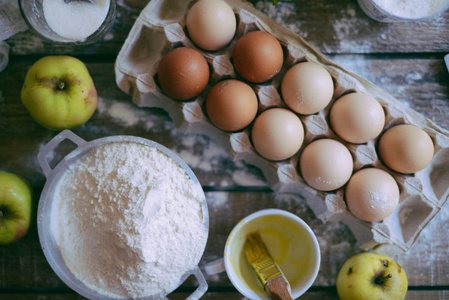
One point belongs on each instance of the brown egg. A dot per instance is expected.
(372, 194)
(307, 88)
(277, 134)
(258, 56)
(406, 148)
(183, 73)
(231, 105)
(357, 118)
(326, 164)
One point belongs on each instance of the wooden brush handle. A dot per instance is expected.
(279, 289)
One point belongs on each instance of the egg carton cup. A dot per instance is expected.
(161, 27)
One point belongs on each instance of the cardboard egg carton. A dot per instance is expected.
(161, 27)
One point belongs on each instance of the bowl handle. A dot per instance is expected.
(43, 153)
(215, 267)
(202, 285)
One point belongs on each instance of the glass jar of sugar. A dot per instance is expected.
(389, 11)
(69, 22)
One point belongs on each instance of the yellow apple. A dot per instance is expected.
(371, 276)
(15, 207)
(59, 92)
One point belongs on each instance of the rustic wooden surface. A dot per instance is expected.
(406, 59)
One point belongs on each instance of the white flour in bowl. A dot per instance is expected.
(413, 9)
(128, 220)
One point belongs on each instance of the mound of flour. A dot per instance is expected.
(128, 220)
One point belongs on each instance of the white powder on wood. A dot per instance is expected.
(413, 9)
(75, 20)
(129, 220)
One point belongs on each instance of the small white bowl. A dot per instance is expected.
(290, 241)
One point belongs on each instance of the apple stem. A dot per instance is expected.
(381, 279)
(61, 86)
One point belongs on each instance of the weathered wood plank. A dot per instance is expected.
(323, 295)
(340, 26)
(420, 83)
(332, 26)
(23, 264)
(408, 64)
(234, 295)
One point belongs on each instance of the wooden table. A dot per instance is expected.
(406, 59)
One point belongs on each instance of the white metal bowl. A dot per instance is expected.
(53, 175)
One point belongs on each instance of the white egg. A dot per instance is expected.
(277, 134)
(326, 164)
(406, 148)
(357, 118)
(211, 24)
(307, 88)
(372, 194)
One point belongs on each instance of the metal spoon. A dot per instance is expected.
(88, 1)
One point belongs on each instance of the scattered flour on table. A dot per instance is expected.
(129, 220)
(205, 160)
(244, 178)
(198, 151)
(127, 113)
(413, 77)
(346, 30)
(280, 12)
(203, 153)
(217, 200)
(412, 8)
(122, 112)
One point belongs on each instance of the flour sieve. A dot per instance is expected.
(48, 243)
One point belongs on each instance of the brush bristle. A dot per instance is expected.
(260, 259)
(254, 247)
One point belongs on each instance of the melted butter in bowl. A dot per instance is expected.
(289, 240)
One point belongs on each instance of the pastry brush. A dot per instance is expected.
(266, 269)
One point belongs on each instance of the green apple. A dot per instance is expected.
(15, 207)
(371, 276)
(59, 92)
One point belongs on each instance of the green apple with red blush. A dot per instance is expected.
(15, 207)
(371, 276)
(59, 92)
